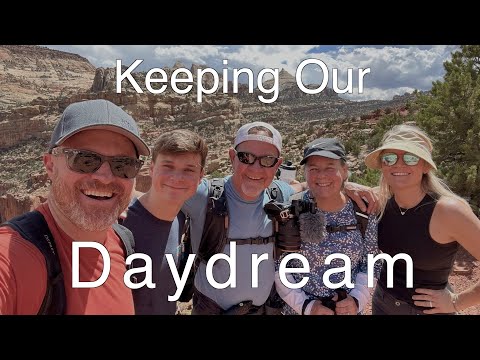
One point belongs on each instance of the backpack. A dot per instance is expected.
(361, 216)
(33, 227)
(215, 227)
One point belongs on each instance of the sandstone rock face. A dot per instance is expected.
(28, 72)
(11, 206)
(37, 84)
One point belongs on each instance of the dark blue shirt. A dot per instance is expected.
(155, 238)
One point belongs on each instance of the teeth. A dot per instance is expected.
(98, 193)
(252, 178)
(399, 174)
(328, 184)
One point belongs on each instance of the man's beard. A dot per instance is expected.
(91, 218)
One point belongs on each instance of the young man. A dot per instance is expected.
(177, 167)
(92, 163)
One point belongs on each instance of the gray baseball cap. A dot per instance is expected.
(327, 147)
(97, 114)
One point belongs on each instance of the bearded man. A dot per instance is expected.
(92, 162)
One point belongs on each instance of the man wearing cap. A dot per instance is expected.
(255, 158)
(92, 162)
(333, 228)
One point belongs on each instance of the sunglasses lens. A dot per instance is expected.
(245, 157)
(265, 161)
(84, 162)
(126, 168)
(87, 162)
(411, 159)
(268, 161)
(389, 159)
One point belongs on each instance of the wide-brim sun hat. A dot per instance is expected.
(408, 141)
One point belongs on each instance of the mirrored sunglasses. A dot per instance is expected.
(87, 162)
(267, 161)
(391, 159)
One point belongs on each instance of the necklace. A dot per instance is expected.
(402, 212)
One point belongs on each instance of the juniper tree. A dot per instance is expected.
(451, 116)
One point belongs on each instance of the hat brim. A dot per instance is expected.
(140, 145)
(373, 161)
(323, 153)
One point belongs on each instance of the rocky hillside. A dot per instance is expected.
(28, 72)
(39, 84)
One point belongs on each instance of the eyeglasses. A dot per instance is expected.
(87, 162)
(391, 159)
(267, 161)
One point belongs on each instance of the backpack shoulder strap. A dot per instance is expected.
(127, 238)
(33, 227)
(274, 192)
(362, 218)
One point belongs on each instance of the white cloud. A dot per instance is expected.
(394, 69)
(197, 54)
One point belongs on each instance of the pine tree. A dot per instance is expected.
(451, 116)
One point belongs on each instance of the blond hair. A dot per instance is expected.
(431, 184)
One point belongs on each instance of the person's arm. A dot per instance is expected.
(298, 300)
(23, 275)
(361, 194)
(361, 291)
(460, 223)
(299, 186)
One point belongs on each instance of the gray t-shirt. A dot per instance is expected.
(155, 238)
(247, 219)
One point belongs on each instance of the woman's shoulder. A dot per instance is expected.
(451, 207)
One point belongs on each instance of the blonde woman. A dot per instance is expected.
(422, 217)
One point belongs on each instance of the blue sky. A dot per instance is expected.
(394, 70)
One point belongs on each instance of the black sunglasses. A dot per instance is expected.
(87, 162)
(391, 159)
(267, 161)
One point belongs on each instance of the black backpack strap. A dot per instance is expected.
(127, 239)
(362, 223)
(362, 219)
(33, 227)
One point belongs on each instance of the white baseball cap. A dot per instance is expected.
(245, 133)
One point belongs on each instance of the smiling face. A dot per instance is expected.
(401, 176)
(175, 176)
(250, 180)
(92, 202)
(325, 177)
